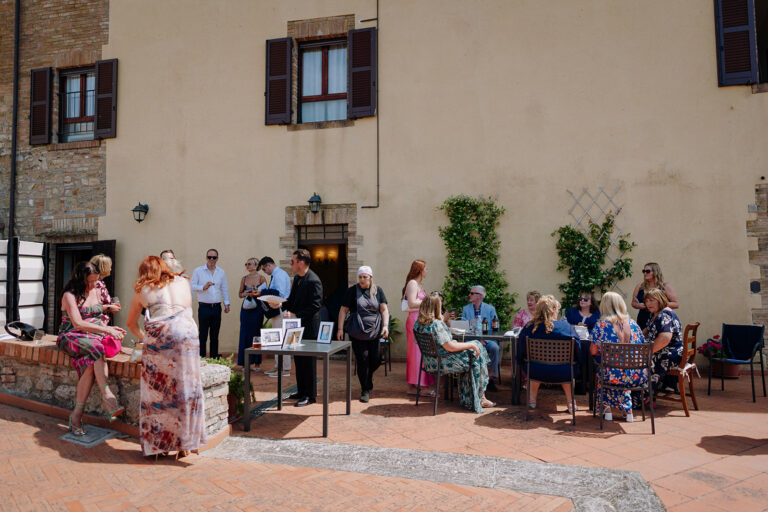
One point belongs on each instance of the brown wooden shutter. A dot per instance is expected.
(736, 43)
(361, 62)
(106, 99)
(277, 107)
(41, 85)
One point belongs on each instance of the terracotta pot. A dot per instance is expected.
(727, 370)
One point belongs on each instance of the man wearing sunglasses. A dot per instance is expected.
(210, 283)
(478, 308)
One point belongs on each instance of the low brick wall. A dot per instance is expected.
(44, 374)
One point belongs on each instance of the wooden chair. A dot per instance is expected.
(626, 356)
(550, 353)
(428, 347)
(685, 371)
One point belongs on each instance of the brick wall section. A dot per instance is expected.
(44, 373)
(758, 227)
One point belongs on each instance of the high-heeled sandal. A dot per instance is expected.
(181, 453)
(77, 431)
(112, 408)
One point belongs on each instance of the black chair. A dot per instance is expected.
(550, 353)
(626, 356)
(740, 344)
(428, 347)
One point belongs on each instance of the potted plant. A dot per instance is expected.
(236, 395)
(714, 348)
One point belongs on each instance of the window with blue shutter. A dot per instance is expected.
(737, 62)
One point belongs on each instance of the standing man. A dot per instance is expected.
(477, 307)
(304, 302)
(280, 284)
(210, 283)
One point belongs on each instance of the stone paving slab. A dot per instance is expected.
(591, 489)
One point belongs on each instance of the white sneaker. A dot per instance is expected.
(274, 375)
(607, 414)
(630, 417)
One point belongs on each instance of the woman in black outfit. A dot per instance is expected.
(367, 323)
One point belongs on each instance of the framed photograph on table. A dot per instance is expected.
(290, 323)
(325, 334)
(271, 337)
(293, 337)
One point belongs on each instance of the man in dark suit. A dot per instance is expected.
(304, 302)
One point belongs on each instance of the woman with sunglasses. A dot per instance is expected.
(585, 312)
(251, 315)
(652, 278)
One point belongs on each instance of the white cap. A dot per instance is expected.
(365, 269)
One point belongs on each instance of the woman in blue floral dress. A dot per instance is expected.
(455, 355)
(615, 326)
(664, 331)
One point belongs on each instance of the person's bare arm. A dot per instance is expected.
(674, 301)
(70, 306)
(412, 294)
(384, 320)
(133, 317)
(342, 315)
(635, 304)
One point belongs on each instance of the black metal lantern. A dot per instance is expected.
(140, 211)
(314, 203)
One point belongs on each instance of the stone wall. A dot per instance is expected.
(757, 228)
(44, 374)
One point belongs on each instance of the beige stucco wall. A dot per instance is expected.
(521, 100)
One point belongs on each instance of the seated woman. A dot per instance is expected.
(585, 312)
(526, 315)
(664, 332)
(546, 326)
(615, 326)
(455, 356)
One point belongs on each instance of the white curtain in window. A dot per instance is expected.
(312, 72)
(337, 70)
(90, 86)
(73, 96)
(315, 111)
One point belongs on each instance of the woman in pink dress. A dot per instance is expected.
(526, 315)
(414, 293)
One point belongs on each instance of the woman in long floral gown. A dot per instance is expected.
(172, 416)
(454, 355)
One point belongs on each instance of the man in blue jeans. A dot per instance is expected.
(477, 307)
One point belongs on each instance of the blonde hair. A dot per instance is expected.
(658, 295)
(255, 262)
(545, 313)
(103, 264)
(533, 293)
(658, 278)
(430, 309)
(612, 308)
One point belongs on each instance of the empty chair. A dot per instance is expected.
(740, 344)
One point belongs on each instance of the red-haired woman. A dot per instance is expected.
(172, 407)
(413, 294)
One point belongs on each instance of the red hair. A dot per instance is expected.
(417, 268)
(153, 272)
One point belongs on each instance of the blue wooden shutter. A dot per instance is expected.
(361, 81)
(41, 83)
(105, 105)
(736, 45)
(277, 108)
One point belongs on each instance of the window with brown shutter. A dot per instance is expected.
(362, 73)
(106, 99)
(40, 106)
(277, 105)
(77, 88)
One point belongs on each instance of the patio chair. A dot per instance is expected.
(550, 353)
(685, 371)
(626, 356)
(740, 344)
(428, 346)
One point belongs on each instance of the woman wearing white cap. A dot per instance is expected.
(368, 321)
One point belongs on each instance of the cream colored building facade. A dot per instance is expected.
(522, 100)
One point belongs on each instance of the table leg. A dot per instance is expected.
(326, 375)
(279, 382)
(349, 380)
(517, 375)
(247, 395)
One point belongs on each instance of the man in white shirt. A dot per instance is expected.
(210, 283)
(280, 284)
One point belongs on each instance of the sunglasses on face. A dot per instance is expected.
(212, 257)
(646, 271)
(584, 299)
(475, 293)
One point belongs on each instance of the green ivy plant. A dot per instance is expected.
(583, 255)
(472, 247)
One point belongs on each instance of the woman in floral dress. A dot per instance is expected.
(455, 355)
(103, 264)
(172, 416)
(664, 331)
(615, 326)
(80, 335)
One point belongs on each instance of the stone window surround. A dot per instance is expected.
(328, 214)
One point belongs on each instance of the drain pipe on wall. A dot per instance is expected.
(378, 110)
(11, 266)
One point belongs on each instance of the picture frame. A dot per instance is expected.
(271, 337)
(293, 337)
(325, 333)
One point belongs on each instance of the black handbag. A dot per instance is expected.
(24, 332)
